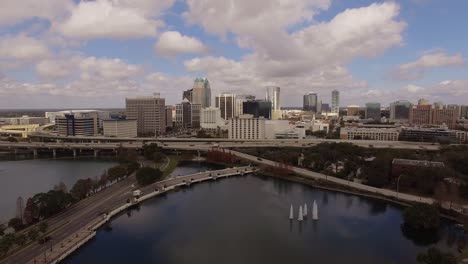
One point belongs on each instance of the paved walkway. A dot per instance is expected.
(358, 186)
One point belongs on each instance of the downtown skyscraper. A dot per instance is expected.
(335, 101)
(201, 92)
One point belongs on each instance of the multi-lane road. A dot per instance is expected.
(203, 144)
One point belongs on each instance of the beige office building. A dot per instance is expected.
(149, 112)
(122, 128)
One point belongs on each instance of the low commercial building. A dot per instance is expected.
(24, 120)
(210, 118)
(358, 133)
(427, 134)
(406, 166)
(120, 128)
(77, 124)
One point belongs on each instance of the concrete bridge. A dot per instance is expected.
(201, 144)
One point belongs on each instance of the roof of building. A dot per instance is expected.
(420, 163)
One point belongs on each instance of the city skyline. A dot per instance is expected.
(51, 56)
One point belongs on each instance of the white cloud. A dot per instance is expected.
(22, 47)
(16, 11)
(111, 19)
(172, 43)
(312, 58)
(88, 69)
(416, 69)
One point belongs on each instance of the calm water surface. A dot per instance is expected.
(245, 220)
(27, 177)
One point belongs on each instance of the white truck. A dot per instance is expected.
(137, 193)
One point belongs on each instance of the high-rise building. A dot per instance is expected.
(201, 93)
(273, 95)
(325, 107)
(423, 101)
(335, 102)
(319, 106)
(257, 108)
(169, 121)
(400, 111)
(227, 104)
(421, 115)
(310, 102)
(446, 116)
(150, 113)
(188, 95)
(373, 111)
(239, 103)
(352, 110)
(463, 111)
(188, 115)
(438, 105)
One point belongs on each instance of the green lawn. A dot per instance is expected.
(173, 162)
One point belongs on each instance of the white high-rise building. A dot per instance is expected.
(335, 102)
(273, 95)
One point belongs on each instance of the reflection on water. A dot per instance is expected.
(28, 177)
(246, 220)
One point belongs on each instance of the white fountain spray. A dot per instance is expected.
(300, 218)
(315, 211)
(291, 213)
(305, 210)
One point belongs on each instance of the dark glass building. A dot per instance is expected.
(257, 108)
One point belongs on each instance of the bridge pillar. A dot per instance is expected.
(54, 153)
(74, 153)
(96, 152)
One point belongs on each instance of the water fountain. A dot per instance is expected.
(305, 209)
(300, 218)
(315, 211)
(291, 213)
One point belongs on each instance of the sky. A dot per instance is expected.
(93, 54)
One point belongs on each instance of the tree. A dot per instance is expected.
(6, 242)
(43, 226)
(16, 224)
(21, 240)
(117, 172)
(132, 167)
(148, 175)
(435, 256)
(81, 188)
(33, 234)
(61, 187)
(422, 217)
(12, 139)
(2, 230)
(153, 152)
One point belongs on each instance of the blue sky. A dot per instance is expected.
(64, 53)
